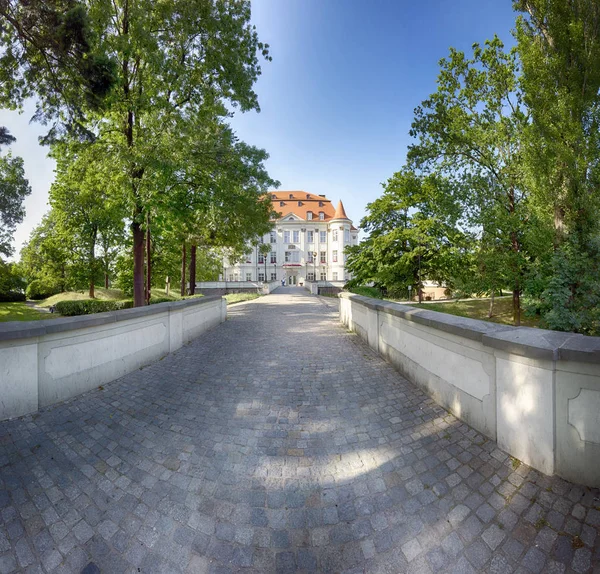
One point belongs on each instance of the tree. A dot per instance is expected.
(50, 52)
(412, 235)
(14, 188)
(559, 47)
(46, 256)
(178, 64)
(85, 211)
(471, 131)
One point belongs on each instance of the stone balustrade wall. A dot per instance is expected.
(45, 362)
(535, 392)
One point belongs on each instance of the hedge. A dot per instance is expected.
(90, 306)
(11, 297)
(38, 289)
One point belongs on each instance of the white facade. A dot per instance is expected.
(307, 225)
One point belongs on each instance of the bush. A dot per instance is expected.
(155, 300)
(39, 289)
(90, 306)
(11, 297)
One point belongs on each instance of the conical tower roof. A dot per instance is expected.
(340, 212)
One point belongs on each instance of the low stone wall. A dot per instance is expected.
(225, 287)
(45, 362)
(536, 392)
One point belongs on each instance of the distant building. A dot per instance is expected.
(307, 242)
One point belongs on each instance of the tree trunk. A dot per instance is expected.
(106, 280)
(517, 306)
(516, 247)
(183, 257)
(138, 264)
(491, 311)
(148, 262)
(193, 269)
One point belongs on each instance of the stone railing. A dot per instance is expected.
(45, 362)
(536, 392)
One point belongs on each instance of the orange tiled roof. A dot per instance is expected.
(300, 203)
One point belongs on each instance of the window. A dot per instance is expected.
(292, 256)
(310, 257)
(310, 236)
(261, 258)
(323, 276)
(335, 255)
(273, 196)
(273, 276)
(291, 196)
(231, 277)
(335, 276)
(236, 277)
(273, 257)
(295, 236)
(299, 203)
(261, 240)
(281, 203)
(323, 236)
(286, 236)
(249, 258)
(273, 237)
(323, 257)
(248, 276)
(261, 276)
(334, 236)
(321, 216)
(309, 215)
(310, 276)
(347, 235)
(320, 204)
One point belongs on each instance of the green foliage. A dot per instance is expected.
(90, 306)
(14, 188)
(412, 235)
(50, 52)
(41, 289)
(373, 292)
(559, 47)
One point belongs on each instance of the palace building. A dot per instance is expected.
(307, 242)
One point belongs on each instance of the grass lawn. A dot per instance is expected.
(102, 294)
(479, 308)
(18, 311)
(239, 297)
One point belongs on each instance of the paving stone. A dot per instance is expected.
(228, 456)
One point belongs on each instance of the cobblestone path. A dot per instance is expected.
(277, 442)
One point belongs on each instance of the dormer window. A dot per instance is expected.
(320, 204)
(308, 196)
(281, 203)
(321, 215)
(273, 196)
(299, 203)
(309, 215)
(291, 196)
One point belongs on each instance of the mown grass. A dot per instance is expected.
(232, 298)
(19, 311)
(367, 292)
(479, 309)
(103, 295)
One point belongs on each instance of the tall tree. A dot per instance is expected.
(559, 47)
(178, 64)
(413, 235)
(471, 131)
(85, 209)
(50, 52)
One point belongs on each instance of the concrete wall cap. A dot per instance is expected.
(13, 330)
(521, 341)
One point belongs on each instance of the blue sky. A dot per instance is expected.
(337, 100)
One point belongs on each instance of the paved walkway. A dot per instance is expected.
(277, 442)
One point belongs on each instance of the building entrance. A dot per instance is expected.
(292, 280)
